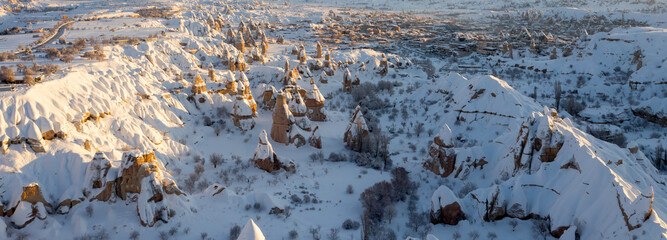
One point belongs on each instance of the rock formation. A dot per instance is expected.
(347, 80)
(243, 113)
(269, 97)
(302, 56)
(445, 207)
(239, 42)
(244, 91)
(314, 102)
(99, 182)
(266, 159)
(240, 63)
(282, 120)
(323, 78)
(319, 50)
(298, 109)
(199, 86)
(384, 65)
(356, 131)
(329, 64)
(34, 137)
(139, 174)
(441, 158)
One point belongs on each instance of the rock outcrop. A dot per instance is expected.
(266, 159)
(314, 103)
(100, 179)
(445, 207)
(441, 158)
(347, 80)
(319, 50)
(243, 113)
(282, 120)
(139, 174)
(356, 130)
(269, 97)
(199, 86)
(298, 109)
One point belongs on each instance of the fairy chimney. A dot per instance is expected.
(282, 120)
(239, 42)
(268, 97)
(266, 159)
(441, 158)
(314, 103)
(384, 65)
(298, 108)
(240, 63)
(199, 87)
(302, 55)
(323, 78)
(356, 130)
(319, 50)
(243, 113)
(347, 80)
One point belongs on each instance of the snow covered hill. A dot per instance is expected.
(225, 120)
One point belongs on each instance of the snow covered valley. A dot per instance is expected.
(332, 120)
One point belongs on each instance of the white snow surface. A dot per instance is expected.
(146, 109)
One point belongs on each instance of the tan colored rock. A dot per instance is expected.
(135, 166)
(240, 63)
(239, 43)
(384, 65)
(314, 103)
(4, 143)
(302, 56)
(319, 50)
(199, 86)
(282, 120)
(269, 97)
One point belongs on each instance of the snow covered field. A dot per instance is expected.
(164, 138)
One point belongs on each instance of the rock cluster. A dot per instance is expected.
(290, 124)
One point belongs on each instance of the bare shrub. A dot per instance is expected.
(293, 234)
(67, 58)
(96, 54)
(234, 232)
(350, 224)
(7, 74)
(50, 68)
(53, 53)
(216, 159)
(467, 188)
